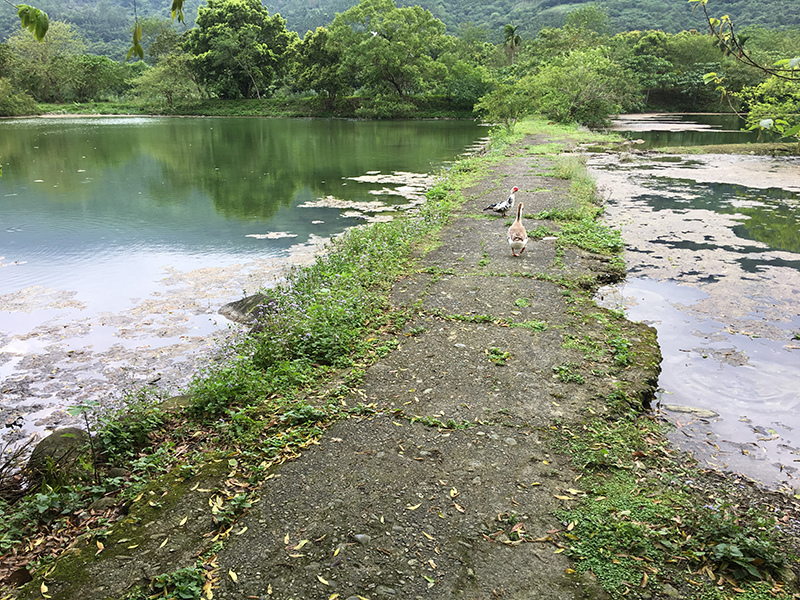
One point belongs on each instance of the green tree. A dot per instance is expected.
(592, 17)
(507, 104)
(44, 69)
(239, 50)
(512, 41)
(95, 78)
(583, 87)
(13, 104)
(389, 48)
(465, 83)
(553, 42)
(160, 38)
(168, 83)
(316, 66)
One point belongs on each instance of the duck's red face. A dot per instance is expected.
(515, 189)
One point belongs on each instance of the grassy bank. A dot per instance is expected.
(642, 518)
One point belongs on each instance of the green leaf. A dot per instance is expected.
(177, 10)
(137, 43)
(34, 20)
(793, 131)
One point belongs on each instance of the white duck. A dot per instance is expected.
(504, 206)
(517, 236)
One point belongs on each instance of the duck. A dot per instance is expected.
(517, 236)
(504, 206)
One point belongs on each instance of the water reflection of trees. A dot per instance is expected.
(250, 168)
(773, 214)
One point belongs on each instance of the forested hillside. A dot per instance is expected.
(671, 16)
(106, 25)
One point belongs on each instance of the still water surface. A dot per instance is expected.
(660, 130)
(120, 238)
(713, 255)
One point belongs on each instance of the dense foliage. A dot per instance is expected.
(106, 25)
(380, 60)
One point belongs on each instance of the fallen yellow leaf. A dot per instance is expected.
(241, 531)
(164, 543)
(415, 507)
(300, 544)
(233, 576)
(44, 588)
(286, 539)
(453, 492)
(322, 580)
(183, 521)
(427, 535)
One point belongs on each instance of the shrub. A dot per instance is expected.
(14, 105)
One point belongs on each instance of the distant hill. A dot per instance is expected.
(107, 25)
(671, 16)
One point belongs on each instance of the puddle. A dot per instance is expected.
(713, 255)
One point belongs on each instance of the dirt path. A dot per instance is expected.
(396, 508)
(392, 504)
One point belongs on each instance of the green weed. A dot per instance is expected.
(183, 584)
(532, 325)
(626, 525)
(566, 373)
(498, 356)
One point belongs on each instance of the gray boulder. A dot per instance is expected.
(249, 309)
(56, 456)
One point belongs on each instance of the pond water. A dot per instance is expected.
(659, 130)
(713, 255)
(120, 238)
